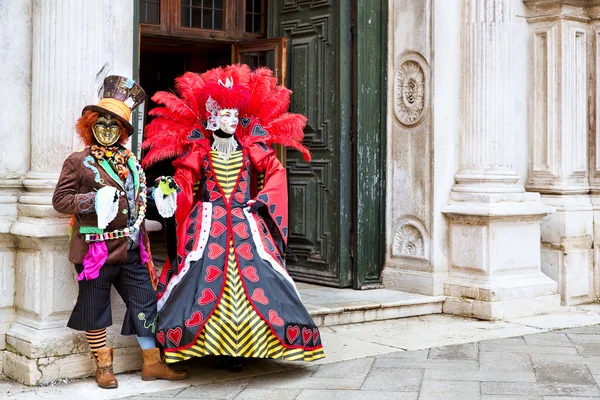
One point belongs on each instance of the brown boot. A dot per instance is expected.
(104, 369)
(154, 367)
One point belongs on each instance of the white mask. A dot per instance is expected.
(228, 120)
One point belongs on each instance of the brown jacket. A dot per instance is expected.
(81, 176)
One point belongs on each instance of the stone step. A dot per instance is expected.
(330, 306)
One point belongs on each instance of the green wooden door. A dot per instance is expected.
(319, 55)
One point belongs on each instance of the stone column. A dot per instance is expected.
(494, 225)
(75, 43)
(15, 82)
(558, 167)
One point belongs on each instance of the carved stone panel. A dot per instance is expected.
(410, 241)
(411, 89)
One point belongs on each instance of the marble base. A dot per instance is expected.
(501, 300)
(35, 356)
(422, 282)
(495, 257)
(567, 247)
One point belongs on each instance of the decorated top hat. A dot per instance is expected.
(120, 96)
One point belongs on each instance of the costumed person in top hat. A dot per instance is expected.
(227, 293)
(104, 188)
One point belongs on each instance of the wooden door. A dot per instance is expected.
(264, 53)
(319, 55)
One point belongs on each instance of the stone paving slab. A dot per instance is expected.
(562, 364)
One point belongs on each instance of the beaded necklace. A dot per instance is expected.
(119, 233)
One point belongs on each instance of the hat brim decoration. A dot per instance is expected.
(120, 96)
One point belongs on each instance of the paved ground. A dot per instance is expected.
(555, 365)
(448, 358)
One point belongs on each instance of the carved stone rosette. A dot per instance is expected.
(411, 89)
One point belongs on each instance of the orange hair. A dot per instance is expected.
(88, 120)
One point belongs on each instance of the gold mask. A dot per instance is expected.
(106, 131)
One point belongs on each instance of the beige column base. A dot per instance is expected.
(495, 259)
(39, 346)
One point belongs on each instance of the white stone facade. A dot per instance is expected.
(504, 154)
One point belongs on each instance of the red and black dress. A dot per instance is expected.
(229, 292)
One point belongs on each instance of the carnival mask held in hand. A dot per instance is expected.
(106, 130)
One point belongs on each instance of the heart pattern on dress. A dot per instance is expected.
(212, 273)
(250, 273)
(195, 319)
(292, 333)
(175, 335)
(315, 336)
(238, 213)
(259, 296)
(217, 229)
(275, 319)
(160, 336)
(239, 196)
(219, 212)
(245, 251)
(241, 230)
(306, 335)
(214, 196)
(208, 296)
(215, 251)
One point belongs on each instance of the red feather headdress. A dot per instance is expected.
(262, 107)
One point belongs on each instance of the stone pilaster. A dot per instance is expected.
(494, 225)
(15, 81)
(75, 44)
(559, 127)
(410, 245)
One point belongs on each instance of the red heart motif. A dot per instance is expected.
(160, 336)
(239, 197)
(243, 187)
(238, 213)
(212, 273)
(306, 335)
(215, 251)
(217, 229)
(205, 164)
(245, 251)
(210, 185)
(259, 296)
(292, 333)
(315, 336)
(175, 335)
(245, 175)
(195, 319)
(208, 296)
(208, 174)
(214, 196)
(241, 230)
(275, 319)
(250, 273)
(218, 212)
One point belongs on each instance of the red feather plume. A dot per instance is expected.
(254, 93)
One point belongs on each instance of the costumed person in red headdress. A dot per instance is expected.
(227, 293)
(104, 188)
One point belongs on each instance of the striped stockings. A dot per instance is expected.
(97, 340)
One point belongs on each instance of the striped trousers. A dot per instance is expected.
(132, 281)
